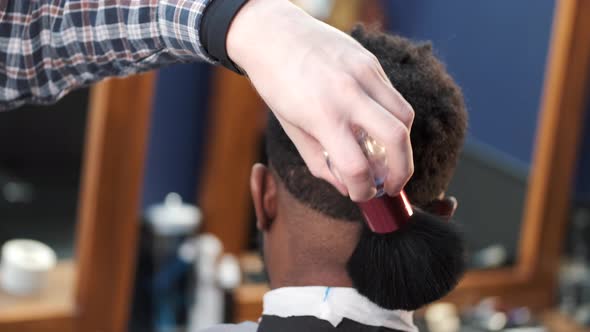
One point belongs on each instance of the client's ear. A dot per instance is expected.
(444, 207)
(264, 196)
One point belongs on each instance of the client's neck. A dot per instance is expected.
(314, 249)
(300, 274)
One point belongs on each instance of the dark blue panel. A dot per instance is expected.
(496, 51)
(582, 179)
(177, 132)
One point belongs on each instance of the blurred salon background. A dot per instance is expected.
(140, 186)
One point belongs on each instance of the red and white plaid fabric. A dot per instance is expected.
(49, 47)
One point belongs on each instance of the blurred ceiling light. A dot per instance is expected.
(17, 192)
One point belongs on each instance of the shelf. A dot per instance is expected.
(50, 310)
(558, 322)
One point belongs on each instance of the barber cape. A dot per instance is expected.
(298, 309)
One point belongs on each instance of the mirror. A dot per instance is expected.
(41, 151)
(498, 57)
(40, 162)
(73, 191)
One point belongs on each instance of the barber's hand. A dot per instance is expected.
(320, 83)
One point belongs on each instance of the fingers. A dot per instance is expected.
(376, 85)
(393, 134)
(348, 161)
(334, 135)
(350, 172)
(313, 154)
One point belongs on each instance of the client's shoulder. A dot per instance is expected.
(242, 327)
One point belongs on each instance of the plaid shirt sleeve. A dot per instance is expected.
(49, 47)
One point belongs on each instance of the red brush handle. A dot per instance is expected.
(387, 214)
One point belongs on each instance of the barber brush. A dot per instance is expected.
(405, 257)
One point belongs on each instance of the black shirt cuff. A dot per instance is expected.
(215, 24)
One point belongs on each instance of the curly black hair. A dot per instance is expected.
(437, 133)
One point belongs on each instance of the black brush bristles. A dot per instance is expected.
(411, 267)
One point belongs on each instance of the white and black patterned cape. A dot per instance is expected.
(319, 309)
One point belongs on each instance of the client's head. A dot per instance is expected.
(310, 230)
